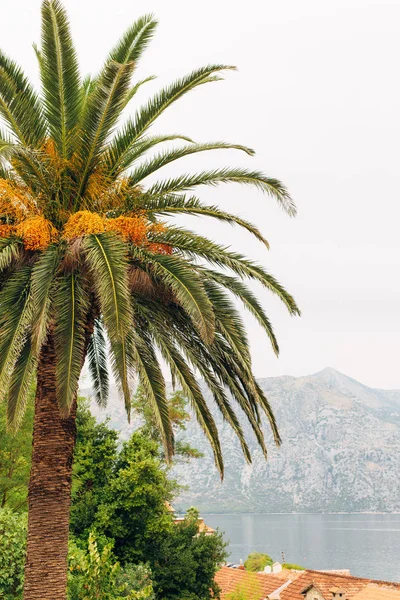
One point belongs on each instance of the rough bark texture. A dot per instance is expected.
(49, 488)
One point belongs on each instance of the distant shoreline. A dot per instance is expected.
(298, 513)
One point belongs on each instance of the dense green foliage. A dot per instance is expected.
(12, 553)
(185, 564)
(15, 460)
(119, 492)
(123, 542)
(94, 574)
(125, 505)
(256, 561)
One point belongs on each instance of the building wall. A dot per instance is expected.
(313, 594)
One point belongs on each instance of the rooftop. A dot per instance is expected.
(292, 585)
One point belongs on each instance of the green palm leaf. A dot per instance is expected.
(9, 250)
(19, 104)
(181, 371)
(106, 259)
(146, 115)
(179, 204)
(71, 305)
(20, 385)
(269, 185)
(123, 367)
(250, 301)
(97, 360)
(152, 381)
(60, 77)
(104, 107)
(43, 274)
(187, 287)
(194, 245)
(134, 41)
(16, 316)
(161, 160)
(121, 155)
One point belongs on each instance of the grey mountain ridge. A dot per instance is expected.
(340, 451)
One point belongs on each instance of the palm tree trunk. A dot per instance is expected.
(49, 488)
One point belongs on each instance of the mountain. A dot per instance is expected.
(340, 452)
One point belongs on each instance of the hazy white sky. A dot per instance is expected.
(318, 96)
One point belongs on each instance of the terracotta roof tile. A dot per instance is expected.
(326, 581)
(374, 592)
(256, 585)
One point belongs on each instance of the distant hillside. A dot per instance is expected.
(340, 452)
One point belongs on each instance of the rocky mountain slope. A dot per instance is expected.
(340, 452)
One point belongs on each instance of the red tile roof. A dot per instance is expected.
(257, 586)
(324, 582)
(374, 592)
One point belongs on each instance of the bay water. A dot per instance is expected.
(368, 545)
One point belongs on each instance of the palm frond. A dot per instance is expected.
(134, 41)
(198, 246)
(168, 325)
(229, 323)
(136, 87)
(173, 204)
(20, 385)
(9, 251)
(16, 316)
(187, 287)
(269, 185)
(146, 115)
(71, 310)
(88, 87)
(182, 372)
(269, 413)
(165, 158)
(60, 77)
(106, 259)
(19, 104)
(123, 365)
(249, 300)
(120, 154)
(97, 360)
(42, 283)
(152, 381)
(104, 107)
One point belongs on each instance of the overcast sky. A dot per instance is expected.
(317, 95)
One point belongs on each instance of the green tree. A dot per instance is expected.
(133, 512)
(179, 415)
(85, 256)
(94, 461)
(95, 574)
(186, 561)
(127, 511)
(12, 551)
(257, 561)
(15, 460)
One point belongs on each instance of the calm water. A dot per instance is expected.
(368, 545)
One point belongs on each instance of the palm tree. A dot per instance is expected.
(89, 270)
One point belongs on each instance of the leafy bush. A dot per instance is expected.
(292, 566)
(94, 574)
(257, 561)
(12, 553)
